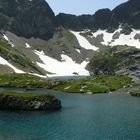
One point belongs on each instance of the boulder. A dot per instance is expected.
(38, 102)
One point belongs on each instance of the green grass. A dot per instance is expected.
(16, 58)
(24, 95)
(4, 69)
(24, 80)
(135, 92)
(100, 84)
(69, 35)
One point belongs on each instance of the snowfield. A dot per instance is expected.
(5, 62)
(128, 40)
(122, 40)
(84, 43)
(66, 67)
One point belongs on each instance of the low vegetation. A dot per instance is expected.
(24, 95)
(110, 60)
(100, 84)
(69, 35)
(135, 93)
(16, 58)
(24, 81)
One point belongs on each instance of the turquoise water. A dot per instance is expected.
(83, 117)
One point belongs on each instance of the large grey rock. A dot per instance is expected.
(29, 18)
(13, 102)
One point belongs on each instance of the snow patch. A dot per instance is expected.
(27, 45)
(84, 43)
(38, 75)
(5, 62)
(65, 68)
(78, 50)
(128, 40)
(107, 37)
(67, 87)
(122, 40)
(9, 42)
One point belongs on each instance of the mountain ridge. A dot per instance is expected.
(23, 20)
(104, 18)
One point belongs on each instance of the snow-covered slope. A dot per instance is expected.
(69, 62)
(5, 62)
(116, 38)
(84, 42)
(61, 57)
(67, 67)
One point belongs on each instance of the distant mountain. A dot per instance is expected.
(128, 12)
(36, 19)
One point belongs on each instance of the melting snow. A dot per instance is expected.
(5, 62)
(128, 40)
(107, 37)
(122, 40)
(9, 42)
(65, 68)
(84, 42)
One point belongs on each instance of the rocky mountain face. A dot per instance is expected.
(36, 19)
(27, 18)
(126, 13)
(116, 60)
(33, 40)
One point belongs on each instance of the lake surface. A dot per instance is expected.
(83, 117)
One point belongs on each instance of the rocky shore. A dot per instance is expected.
(32, 102)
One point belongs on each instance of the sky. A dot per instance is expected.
(78, 7)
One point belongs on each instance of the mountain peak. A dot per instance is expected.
(29, 18)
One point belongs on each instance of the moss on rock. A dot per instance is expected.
(10, 100)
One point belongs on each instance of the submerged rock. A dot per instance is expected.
(37, 102)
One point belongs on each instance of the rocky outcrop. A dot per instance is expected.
(36, 19)
(17, 102)
(29, 18)
(127, 13)
(123, 60)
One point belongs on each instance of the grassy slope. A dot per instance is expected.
(16, 58)
(4, 69)
(100, 84)
(24, 80)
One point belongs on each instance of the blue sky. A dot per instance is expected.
(79, 7)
